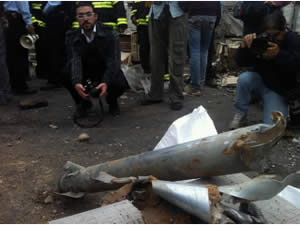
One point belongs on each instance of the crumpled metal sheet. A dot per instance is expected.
(260, 188)
(292, 195)
(191, 198)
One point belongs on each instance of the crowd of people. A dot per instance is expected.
(79, 43)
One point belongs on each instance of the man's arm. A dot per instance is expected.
(50, 6)
(289, 60)
(120, 15)
(73, 58)
(113, 58)
(23, 7)
(244, 57)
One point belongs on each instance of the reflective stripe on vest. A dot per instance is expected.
(39, 22)
(103, 4)
(112, 24)
(167, 76)
(36, 6)
(75, 24)
(121, 21)
(142, 21)
(133, 12)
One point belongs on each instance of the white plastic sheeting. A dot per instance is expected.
(190, 127)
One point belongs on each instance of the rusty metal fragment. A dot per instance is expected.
(227, 153)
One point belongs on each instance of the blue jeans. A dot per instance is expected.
(251, 83)
(200, 34)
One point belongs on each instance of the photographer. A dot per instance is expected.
(274, 56)
(93, 54)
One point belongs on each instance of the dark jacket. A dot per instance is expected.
(106, 46)
(280, 73)
(140, 11)
(202, 8)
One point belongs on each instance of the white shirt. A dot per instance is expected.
(90, 39)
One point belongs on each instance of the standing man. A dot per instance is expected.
(38, 20)
(20, 22)
(93, 53)
(56, 16)
(168, 38)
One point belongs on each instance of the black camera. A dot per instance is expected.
(90, 88)
(260, 44)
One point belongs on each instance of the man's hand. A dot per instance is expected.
(133, 19)
(30, 29)
(81, 91)
(247, 41)
(103, 88)
(272, 51)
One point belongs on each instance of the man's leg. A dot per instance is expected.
(194, 47)
(207, 26)
(143, 40)
(248, 83)
(115, 90)
(159, 53)
(273, 102)
(17, 56)
(177, 48)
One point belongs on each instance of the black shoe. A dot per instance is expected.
(211, 83)
(50, 86)
(176, 106)
(114, 109)
(26, 91)
(146, 100)
(82, 109)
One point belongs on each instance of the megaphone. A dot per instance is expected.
(28, 41)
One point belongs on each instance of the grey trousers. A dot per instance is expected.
(168, 38)
(5, 90)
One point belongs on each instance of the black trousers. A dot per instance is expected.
(143, 41)
(56, 49)
(114, 91)
(17, 56)
(42, 53)
(210, 73)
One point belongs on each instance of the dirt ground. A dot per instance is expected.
(33, 153)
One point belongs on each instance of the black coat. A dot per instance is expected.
(107, 48)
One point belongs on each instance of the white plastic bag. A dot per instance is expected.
(192, 126)
(136, 78)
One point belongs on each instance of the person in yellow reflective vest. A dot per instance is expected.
(38, 21)
(110, 13)
(139, 17)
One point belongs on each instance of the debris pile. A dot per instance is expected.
(161, 200)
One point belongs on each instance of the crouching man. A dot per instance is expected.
(93, 55)
(274, 58)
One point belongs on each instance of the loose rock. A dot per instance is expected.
(48, 200)
(83, 137)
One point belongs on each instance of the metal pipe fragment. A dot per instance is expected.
(226, 153)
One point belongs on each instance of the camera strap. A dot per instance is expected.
(91, 121)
